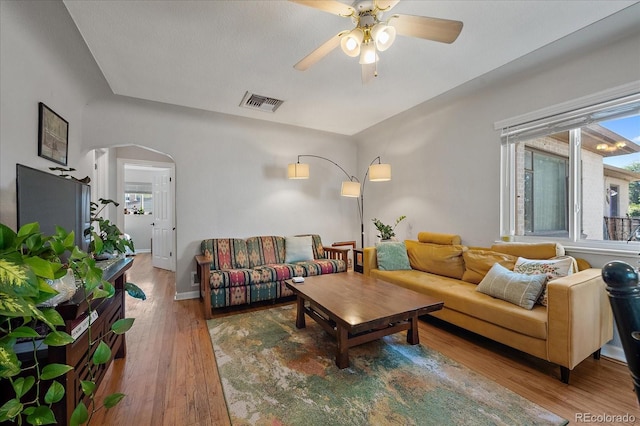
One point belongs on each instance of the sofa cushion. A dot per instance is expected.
(392, 256)
(227, 253)
(530, 250)
(520, 289)
(321, 266)
(477, 263)
(235, 278)
(438, 259)
(298, 249)
(436, 238)
(552, 268)
(462, 297)
(265, 250)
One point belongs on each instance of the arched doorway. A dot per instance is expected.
(144, 185)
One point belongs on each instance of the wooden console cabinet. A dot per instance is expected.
(77, 354)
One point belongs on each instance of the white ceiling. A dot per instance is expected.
(207, 54)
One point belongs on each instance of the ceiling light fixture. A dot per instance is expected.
(372, 34)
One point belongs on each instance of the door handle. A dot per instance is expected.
(153, 224)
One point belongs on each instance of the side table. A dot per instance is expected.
(358, 260)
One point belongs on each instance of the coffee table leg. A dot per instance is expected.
(412, 333)
(300, 322)
(342, 352)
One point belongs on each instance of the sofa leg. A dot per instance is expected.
(564, 374)
(596, 354)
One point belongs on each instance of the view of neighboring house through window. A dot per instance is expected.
(579, 183)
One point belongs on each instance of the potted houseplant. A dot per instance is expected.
(387, 231)
(27, 260)
(107, 240)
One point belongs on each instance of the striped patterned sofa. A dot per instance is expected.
(235, 271)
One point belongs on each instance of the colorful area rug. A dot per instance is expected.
(275, 374)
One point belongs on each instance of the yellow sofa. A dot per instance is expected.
(576, 322)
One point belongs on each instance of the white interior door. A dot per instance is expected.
(163, 229)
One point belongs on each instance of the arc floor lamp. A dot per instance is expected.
(376, 172)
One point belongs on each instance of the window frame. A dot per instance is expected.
(600, 107)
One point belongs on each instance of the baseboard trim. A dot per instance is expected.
(187, 295)
(614, 352)
(143, 251)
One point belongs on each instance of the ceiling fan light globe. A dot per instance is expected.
(384, 35)
(368, 54)
(350, 43)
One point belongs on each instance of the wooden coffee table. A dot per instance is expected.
(357, 309)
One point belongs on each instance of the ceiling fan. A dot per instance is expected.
(372, 34)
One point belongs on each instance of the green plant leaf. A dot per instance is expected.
(14, 306)
(88, 387)
(52, 316)
(102, 355)
(109, 288)
(9, 363)
(7, 237)
(42, 415)
(42, 267)
(51, 371)
(10, 409)
(80, 415)
(21, 385)
(122, 325)
(55, 393)
(58, 338)
(113, 400)
(135, 291)
(29, 229)
(99, 293)
(24, 331)
(16, 279)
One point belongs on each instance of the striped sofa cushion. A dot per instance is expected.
(227, 253)
(265, 250)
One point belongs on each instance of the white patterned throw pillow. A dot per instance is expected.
(556, 267)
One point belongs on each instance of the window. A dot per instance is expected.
(138, 198)
(574, 176)
(544, 201)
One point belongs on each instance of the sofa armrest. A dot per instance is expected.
(580, 321)
(370, 260)
(336, 253)
(203, 271)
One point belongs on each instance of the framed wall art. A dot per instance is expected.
(53, 135)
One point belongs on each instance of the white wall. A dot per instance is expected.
(231, 173)
(44, 59)
(445, 154)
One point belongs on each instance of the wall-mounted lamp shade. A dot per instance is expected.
(379, 172)
(384, 36)
(368, 54)
(350, 189)
(350, 43)
(298, 171)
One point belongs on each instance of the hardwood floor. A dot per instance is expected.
(170, 378)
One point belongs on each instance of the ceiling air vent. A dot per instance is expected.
(259, 102)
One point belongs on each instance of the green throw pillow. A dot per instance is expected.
(392, 256)
(520, 289)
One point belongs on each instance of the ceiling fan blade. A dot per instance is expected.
(386, 5)
(330, 6)
(442, 30)
(369, 72)
(320, 52)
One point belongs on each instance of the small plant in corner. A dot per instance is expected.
(108, 239)
(387, 231)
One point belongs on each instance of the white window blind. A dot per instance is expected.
(610, 110)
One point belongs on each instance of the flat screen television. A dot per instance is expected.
(53, 201)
